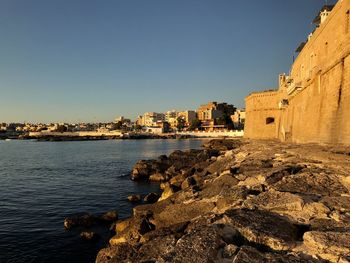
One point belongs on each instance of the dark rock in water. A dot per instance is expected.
(151, 198)
(144, 168)
(80, 220)
(109, 216)
(89, 235)
(134, 198)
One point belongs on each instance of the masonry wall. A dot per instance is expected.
(260, 108)
(319, 111)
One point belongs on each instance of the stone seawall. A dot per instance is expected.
(240, 201)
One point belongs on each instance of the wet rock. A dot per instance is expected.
(109, 216)
(88, 235)
(134, 198)
(158, 177)
(79, 220)
(151, 198)
(144, 168)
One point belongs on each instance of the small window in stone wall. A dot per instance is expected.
(270, 120)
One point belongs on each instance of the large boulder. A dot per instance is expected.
(265, 228)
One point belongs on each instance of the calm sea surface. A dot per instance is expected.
(43, 182)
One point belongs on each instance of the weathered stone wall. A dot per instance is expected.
(318, 91)
(259, 108)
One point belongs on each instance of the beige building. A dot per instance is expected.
(150, 119)
(312, 104)
(238, 118)
(214, 110)
(188, 116)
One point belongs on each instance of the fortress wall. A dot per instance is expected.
(320, 110)
(259, 107)
(314, 114)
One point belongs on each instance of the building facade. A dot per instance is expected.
(312, 104)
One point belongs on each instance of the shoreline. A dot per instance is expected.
(238, 201)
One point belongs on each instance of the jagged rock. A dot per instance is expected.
(339, 203)
(201, 245)
(177, 180)
(178, 213)
(328, 245)
(122, 224)
(252, 255)
(288, 204)
(133, 231)
(312, 184)
(151, 198)
(158, 177)
(117, 254)
(88, 235)
(249, 203)
(223, 144)
(144, 168)
(134, 198)
(168, 191)
(109, 216)
(264, 228)
(79, 220)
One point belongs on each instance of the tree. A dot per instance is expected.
(180, 123)
(225, 120)
(195, 124)
(118, 125)
(61, 128)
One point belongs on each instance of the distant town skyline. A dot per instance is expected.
(90, 61)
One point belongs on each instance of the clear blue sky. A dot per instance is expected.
(92, 60)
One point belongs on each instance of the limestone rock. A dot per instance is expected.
(264, 228)
(134, 198)
(79, 220)
(158, 177)
(312, 184)
(88, 235)
(328, 245)
(252, 255)
(151, 198)
(109, 216)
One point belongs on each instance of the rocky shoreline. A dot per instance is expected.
(240, 201)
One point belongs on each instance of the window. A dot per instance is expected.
(347, 22)
(270, 120)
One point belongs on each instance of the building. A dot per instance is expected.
(214, 110)
(188, 116)
(150, 119)
(171, 118)
(238, 119)
(312, 104)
